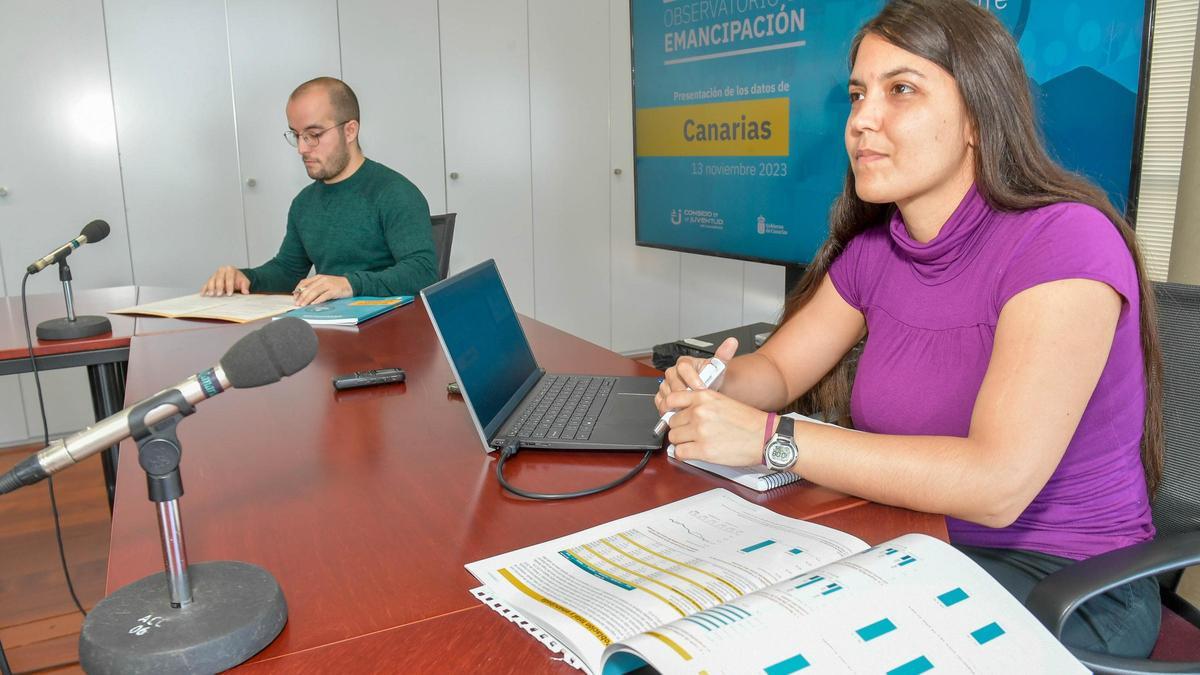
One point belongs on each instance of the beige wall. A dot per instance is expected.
(1189, 587)
(1185, 241)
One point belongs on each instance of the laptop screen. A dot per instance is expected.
(483, 339)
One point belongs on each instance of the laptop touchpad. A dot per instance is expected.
(630, 408)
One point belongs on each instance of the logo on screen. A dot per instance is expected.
(676, 216)
(763, 227)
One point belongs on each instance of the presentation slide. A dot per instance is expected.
(740, 109)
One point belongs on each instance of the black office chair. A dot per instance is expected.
(443, 238)
(1176, 510)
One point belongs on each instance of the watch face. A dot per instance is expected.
(781, 454)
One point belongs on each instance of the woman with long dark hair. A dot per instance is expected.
(1010, 375)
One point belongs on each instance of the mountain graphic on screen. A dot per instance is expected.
(1088, 120)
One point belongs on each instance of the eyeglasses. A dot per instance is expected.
(310, 138)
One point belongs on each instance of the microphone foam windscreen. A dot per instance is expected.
(282, 347)
(95, 231)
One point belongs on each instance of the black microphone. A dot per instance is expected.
(91, 233)
(281, 348)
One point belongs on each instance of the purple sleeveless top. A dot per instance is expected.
(931, 312)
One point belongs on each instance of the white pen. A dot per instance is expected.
(708, 374)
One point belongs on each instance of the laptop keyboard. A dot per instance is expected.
(562, 407)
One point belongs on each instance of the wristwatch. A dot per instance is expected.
(780, 452)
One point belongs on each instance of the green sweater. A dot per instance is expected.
(372, 228)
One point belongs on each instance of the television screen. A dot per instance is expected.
(740, 107)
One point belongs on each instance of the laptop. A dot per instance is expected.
(510, 396)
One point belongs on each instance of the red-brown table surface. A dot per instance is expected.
(44, 306)
(366, 504)
(99, 301)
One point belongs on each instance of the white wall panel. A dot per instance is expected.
(274, 45)
(645, 281)
(59, 164)
(710, 294)
(762, 293)
(175, 125)
(68, 401)
(60, 170)
(390, 57)
(13, 428)
(569, 111)
(485, 103)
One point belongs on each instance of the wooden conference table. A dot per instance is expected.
(366, 504)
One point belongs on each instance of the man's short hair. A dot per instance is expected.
(341, 96)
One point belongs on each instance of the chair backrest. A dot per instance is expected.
(443, 238)
(1177, 505)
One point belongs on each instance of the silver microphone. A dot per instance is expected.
(91, 233)
(106, 433)
(280, 348)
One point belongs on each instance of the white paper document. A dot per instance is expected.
(715, 583)
(239, 308)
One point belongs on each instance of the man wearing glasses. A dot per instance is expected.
(362, 225)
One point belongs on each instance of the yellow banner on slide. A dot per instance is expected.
(752, 128)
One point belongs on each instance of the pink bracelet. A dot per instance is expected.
(770, 427)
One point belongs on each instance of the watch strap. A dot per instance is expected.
(787, 426)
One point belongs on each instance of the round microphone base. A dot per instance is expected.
(81, 327)
(237, 610)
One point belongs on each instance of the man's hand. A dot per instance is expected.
(321, 287)
(226, 281)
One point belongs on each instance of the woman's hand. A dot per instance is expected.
(685, 374)
(715, 428)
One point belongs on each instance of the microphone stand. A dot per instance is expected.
(214, 615)
(72, 326)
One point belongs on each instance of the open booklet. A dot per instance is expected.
(716, 584)
(239, 307)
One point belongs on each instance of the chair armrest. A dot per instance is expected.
(1054, 598)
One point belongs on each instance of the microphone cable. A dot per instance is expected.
(510, 450)
(62, 555)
